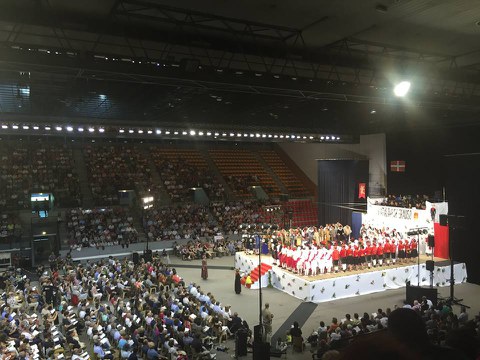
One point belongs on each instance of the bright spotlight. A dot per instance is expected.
(401, 89)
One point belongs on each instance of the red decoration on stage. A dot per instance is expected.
(441, 249)
(397, 166)
(362, 191)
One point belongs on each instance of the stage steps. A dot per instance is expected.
(255, 274)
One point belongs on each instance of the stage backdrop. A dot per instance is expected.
(338, 189)
(463, 194)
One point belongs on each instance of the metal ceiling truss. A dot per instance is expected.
(346, 66)
(183, 18)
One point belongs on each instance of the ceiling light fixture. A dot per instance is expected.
(402, 88)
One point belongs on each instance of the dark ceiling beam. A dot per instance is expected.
(13, 61)
(195, 17)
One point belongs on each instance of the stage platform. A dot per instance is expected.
(328, 287)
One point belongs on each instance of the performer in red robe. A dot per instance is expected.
(335, 257)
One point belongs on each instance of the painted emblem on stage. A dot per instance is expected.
(358, 292)
(347, 286)
(372, 282)
(323, 289)
(334, 296)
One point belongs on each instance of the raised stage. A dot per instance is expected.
(328, 287)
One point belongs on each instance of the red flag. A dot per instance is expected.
(397, 166)
(362, 191)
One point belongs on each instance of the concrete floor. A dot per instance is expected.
(221, 283)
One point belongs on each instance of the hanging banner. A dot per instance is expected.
(362, 191)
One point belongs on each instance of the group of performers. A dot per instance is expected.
(312, 251)
(345, 256)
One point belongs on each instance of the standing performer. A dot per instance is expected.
(413, 249)
(343, 257)
(374, 252)
(204, 268)
(386, 251)
(368, 254)
(356, 257)
(393, 251)
(335, 257)
(380, 252)
(401, 251)
(328, 259)
(350, 257)
(238, 285)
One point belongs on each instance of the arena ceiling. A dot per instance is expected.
(313, 65)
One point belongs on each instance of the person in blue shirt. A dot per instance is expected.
(101, 353)
(152, 353)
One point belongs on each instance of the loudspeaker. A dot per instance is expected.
(147, 255)
(430, 264)
(258, 333)
(443, 219)
(431, 241)
(241, 343)
(136, 258)
(261, 351)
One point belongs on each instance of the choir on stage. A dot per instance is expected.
(311, 251)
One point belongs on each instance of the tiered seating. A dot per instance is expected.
(113, 168)
(231, 215)
(180, 222)
(15, 177)
(182, 169)
(305, 212)
(100, 227)
(294, 186)
(53, 169)
(241, 170)
(10, 225)
(36, 167)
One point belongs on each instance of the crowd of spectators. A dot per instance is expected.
(112, 168)
(179, 177)
(37, 167)
(421, 330)
(240, 185)
(187, 221)
(229, 216)
(404, 201)
(10, 227)
(112, 309)
(196, 249)
(100, 227)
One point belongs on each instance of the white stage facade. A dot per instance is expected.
(329, 289)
